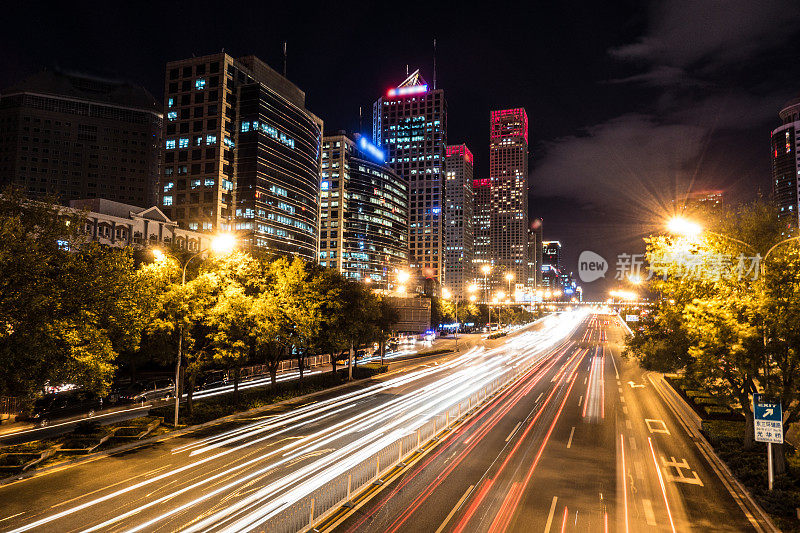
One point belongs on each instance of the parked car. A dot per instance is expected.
(64, 405)
(148, 391)
(213, 379)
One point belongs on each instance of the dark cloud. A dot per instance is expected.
(686, 33)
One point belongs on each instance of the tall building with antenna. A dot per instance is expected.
(410, 123)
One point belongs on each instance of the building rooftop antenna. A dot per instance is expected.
(434, 63)
(284, 59)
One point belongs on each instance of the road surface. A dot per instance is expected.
(584, 443)
(238, 476)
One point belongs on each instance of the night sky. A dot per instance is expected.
(629, 103)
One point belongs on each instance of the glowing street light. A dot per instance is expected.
(684, 227)
(367, 280)
(222, 244)
(159, 255)
(636, 279)
(509, 278)
(446, 295)
(485, 270)
(403, 276)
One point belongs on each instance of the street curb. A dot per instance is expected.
(759, 518)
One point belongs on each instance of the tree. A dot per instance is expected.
(728, 327)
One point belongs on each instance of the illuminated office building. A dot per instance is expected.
(410, 125)
(786, 164)
(363, 212)
(508, 194)
(458, 219)
(241, 153)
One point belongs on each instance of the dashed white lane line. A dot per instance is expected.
(446, 520)
(628, 424)
(550, 516)
(513, 431)
(580, 400)
(649, 515)
(571, 433)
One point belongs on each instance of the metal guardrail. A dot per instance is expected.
(313, 508)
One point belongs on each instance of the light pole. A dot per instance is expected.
(222, 244)
(509, 279)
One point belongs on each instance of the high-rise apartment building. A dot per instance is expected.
(458, 219)
(786, 164)
(508, 182)
(75, 137)
(241, 153)
(410, 125)
(363, 212)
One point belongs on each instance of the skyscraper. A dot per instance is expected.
(508, 180)
(241, 153)
(410, 125)
(458, 219)
(77, 137)
(786, 164)
(363, 212)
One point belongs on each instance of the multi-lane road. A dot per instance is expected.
(579, 441)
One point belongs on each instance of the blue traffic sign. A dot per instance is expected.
(763, 410)
(767, 420)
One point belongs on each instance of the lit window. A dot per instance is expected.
(168, 186)
(211, 139)
(209, 182)
(208, 225)
(170, 102)
(195, 184)
(172, 115)
(167, 200)
(193, 225)
(170, 144)
(245, 127)
(183, 142)
(200, 83)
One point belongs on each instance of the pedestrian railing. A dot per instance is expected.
(316, 506)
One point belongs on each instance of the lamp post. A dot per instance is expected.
(509, 279)
(222, 244)
(447, 295)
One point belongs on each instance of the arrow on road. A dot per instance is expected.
(634, 385)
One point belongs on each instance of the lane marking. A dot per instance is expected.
(580, 400)
(616, 372)
(453, 511)
(622, 399)
(539, 397)
(513, 431)
(571, 433)
(550, 516)
(679, 467)
(628, 424)
(23, 512)
(656, 426)
(625, 409)
(649, 515)
(624, 480)
(661, 482)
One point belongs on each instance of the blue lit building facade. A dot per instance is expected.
(241, 154)
(363, 212)
(410, 125)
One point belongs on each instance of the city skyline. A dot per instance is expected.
(631, 95)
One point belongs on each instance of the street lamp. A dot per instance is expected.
(446, 295)
(509, 277)
(684, 227)
(485, 270)
(222, 244)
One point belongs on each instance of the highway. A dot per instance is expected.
(582, 443)
(238, 477)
